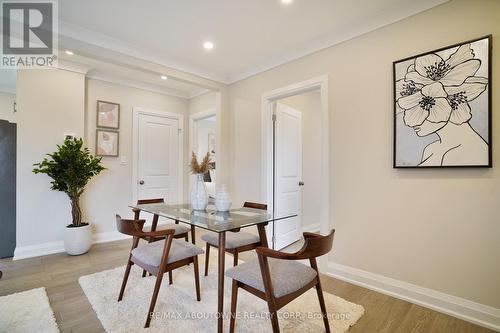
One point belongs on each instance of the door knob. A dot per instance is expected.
(141, 182)
(301, 183)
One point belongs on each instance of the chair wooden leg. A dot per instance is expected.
(186, 238)
(143, 273)
(207, 258)
(319, 290)
(235, 258)
(193, 235)
(234, 300)
(125, 278)
(197, 278)
(274, 318)
(170, 277)
(153, 299)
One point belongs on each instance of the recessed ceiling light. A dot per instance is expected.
(208, 45)
(163, 77)
(68, 52)
(286, 1)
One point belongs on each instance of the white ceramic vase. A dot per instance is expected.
(199, 193)
(222, 200)
(78, 240)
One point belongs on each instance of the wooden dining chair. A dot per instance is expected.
(157, 257)
(236, 242)
(278, 279)
(181, 231)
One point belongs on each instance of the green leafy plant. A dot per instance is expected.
(70, 167)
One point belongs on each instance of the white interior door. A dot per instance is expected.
(288, 174)
(158, 158)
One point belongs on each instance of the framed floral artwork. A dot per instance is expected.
(108, 115)
(107, 143)
(442, 107)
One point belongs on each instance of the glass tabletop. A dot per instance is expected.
(211, 219)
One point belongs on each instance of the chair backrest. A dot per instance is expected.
(316, 245)
(150, 201)
(255, 205)
(129, 227)
(137, 212)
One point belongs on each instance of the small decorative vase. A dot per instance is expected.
(199, 193)
(222, 200)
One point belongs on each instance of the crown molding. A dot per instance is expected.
(137, 85)
(200, 93)
(78, 33)
(402, 11)
(73, 66)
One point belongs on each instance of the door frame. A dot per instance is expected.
(267, 100)
(136, 111)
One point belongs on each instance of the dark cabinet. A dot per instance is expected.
(7, 188)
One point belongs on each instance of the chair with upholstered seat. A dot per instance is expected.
(278, 280)
(181, 231)
(157, 257)
(236, 242)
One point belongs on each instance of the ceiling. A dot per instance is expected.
(250, 36)
(121, 74)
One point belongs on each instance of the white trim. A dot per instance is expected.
(82, 37)
(200, 93)
(43, 249)
(473, 312)
(267, 99)
(71, 66)
(316, 227)
(137, 85)
(135, 128)
(30, 251)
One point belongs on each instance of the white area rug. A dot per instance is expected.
(178, 310)
(27, 312)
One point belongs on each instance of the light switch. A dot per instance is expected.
(123, 160)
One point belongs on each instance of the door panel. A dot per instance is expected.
(288, 194)
(158, 158)
(7, 188)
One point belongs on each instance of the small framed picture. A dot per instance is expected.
(107, 143)
(108, 115)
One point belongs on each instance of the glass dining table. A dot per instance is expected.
(219, 222)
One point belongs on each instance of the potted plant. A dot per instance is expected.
(199, 193)
(71, 167)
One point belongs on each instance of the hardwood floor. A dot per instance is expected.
(59, 274)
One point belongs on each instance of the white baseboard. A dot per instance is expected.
(470, 311)
(110, 236)
(311, 227)
(43, 249)
(37, 250)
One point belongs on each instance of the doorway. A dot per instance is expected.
(157, 155)
(203, 140)
(295, 159)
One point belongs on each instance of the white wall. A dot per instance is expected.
(309, 104)
(111, 192)
(7, 106)
(50, 104)
(433, 228)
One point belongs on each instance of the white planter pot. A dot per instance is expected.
(78, 240)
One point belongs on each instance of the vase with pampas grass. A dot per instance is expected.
(199, 193)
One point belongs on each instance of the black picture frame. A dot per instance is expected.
(489, 101)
